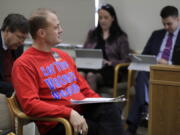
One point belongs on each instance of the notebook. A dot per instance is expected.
(141, 62)
(89, 58)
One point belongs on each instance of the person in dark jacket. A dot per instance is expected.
(14, 31)
(164, 44)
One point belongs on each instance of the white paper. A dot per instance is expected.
(98, 100)
(139, 67)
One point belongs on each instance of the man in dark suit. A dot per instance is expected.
(14, 31)
(163, 44)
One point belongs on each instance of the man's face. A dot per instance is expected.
(14, 39)
(170, 23)
(53, 31)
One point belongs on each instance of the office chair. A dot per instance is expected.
(23, 119)
(128, 86)
(117, 75)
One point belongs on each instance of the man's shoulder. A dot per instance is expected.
(158, 34)
(159, 31)
(25, 57)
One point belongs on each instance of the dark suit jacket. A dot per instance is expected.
(154, 44)
(6, 87)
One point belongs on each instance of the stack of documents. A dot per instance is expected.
(98, 100)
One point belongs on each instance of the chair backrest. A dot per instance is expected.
(117, 75)
(15, 107)
(128, 85)
(23, 119)
(6, 116)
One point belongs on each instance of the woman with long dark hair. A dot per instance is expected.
(113, 41)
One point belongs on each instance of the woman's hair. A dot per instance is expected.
(115, 29)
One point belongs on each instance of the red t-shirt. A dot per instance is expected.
(45, 84)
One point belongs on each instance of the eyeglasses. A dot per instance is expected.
(21, 36)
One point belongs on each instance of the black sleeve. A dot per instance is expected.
(147, 48)
(6, 88)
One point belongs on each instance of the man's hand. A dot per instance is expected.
(78, 122)
(162, 61)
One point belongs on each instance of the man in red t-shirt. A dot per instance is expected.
(46, 79)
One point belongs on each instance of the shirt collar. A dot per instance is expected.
(175, 33)
(3, 43)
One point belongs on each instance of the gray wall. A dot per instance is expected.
(76, 16)
(139, 18)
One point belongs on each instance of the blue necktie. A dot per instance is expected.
(168, 46)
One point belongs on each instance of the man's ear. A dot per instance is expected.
(41, 33)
